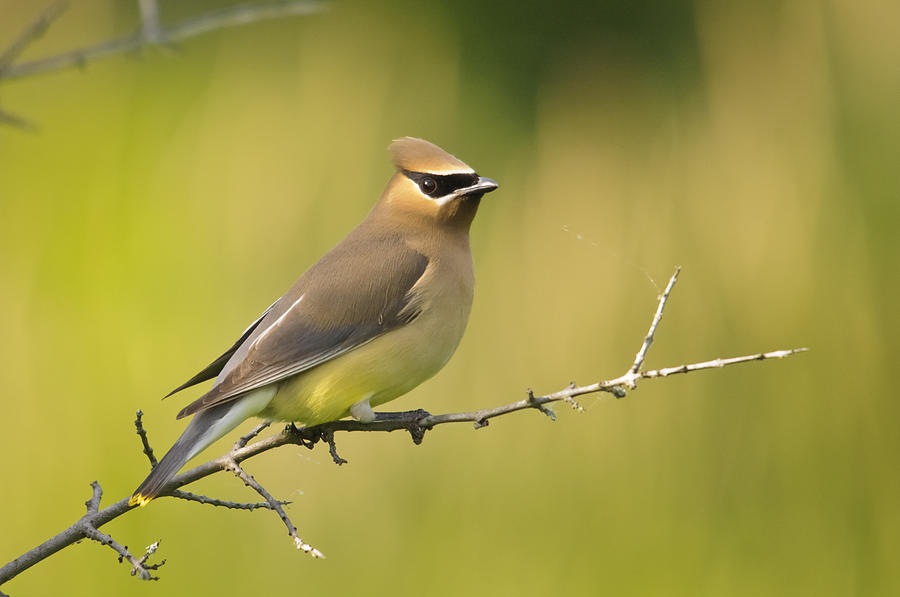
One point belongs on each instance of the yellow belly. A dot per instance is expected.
(385, 368)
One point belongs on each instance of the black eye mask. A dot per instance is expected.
(439, 185)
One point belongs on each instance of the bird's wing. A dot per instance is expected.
(214, 368)
(354, 294)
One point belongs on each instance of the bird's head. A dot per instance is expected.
(432, 184)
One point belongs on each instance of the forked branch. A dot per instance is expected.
(417, 423)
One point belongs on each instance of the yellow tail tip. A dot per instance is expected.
(139, 500)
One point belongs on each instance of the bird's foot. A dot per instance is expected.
(304, 436)
(411, 420)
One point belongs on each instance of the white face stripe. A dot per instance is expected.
(442, 171)
(276, 323)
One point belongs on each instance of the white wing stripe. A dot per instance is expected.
(276, 323)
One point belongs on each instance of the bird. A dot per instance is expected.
(376, 316)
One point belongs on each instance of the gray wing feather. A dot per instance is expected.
(357, 292)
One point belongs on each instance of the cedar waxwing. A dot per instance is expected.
(376, 316)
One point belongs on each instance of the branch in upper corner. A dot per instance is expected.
(32, 32)
(149, 35)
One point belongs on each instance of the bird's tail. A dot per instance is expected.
(206, 427)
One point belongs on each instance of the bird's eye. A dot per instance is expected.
(428, 185)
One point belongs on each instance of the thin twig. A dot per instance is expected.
(145, 442)
(657, 317)
(233, 466)
(719, 363)
(202, 499)
(242, 441)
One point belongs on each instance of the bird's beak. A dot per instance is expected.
(484, 185)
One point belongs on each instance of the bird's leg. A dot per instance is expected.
(362, 411)
(305, 436)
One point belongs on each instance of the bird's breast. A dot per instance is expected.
(391, 364)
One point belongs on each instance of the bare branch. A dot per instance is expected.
(202, 499)
(657, 317)
(417, 423)
(240, 443)
(719, 363)
(138, 566)
(151, 33)
(233, 466)
(89, 529)
(139, 427)
(32, 32)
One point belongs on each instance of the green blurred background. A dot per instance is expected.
(172, 194)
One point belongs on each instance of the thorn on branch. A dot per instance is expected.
(537, 405)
